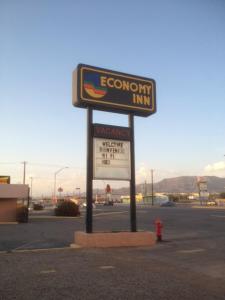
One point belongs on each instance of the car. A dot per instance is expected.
(211, 203)
(84, 205)
(108, 203)
(38, 206)
(168, 204)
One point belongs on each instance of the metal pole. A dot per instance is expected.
(145, 191)
(55, 180)
(132, 180)
(54, 185)
(89, 171)
(78, 189)
(152, 188)
(24, 171)
(31, 187)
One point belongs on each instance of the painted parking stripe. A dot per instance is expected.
(111, 213)
(107, 267)
(191, 251)
(54, 217)
(8, 223)
(47, 271)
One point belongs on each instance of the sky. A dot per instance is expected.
(181, 44)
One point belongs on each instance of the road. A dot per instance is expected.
(189, 264)
(180, 224)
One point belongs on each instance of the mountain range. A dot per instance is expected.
(182, 184)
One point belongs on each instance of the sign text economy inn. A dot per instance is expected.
(113, 91)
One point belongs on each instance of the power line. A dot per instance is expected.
(9, 163)
(43, 164)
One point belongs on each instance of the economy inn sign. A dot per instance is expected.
(113, 91)
(110, 149)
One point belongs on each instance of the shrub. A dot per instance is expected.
(173, 198)
(222, 195)
(22, 214)
(67, 208)
(38, 206)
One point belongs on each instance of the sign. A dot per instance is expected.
(111, 132)
(203, 189)
(111, 159)
(113, 91)
(108, 189)
(4, 179)
(202, 184)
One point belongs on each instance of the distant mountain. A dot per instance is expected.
(182, 184)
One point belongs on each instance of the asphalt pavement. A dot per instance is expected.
(188, 264)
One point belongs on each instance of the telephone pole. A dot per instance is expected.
(24, 171)
(145, 189)
(31, 187)
(152, 187)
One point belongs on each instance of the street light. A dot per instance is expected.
(57, 172)
(79, 193)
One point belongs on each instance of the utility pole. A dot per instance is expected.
(31, 186)
(24, 171)
(152, 187)
(145, 189)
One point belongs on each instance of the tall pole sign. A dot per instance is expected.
(110, 149)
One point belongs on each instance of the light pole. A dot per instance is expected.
(152, 187)
(57, 172)
(78, 189)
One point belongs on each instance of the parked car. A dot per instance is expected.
(108, 203)
(38, 206)
(168, 204)
(84, 205)
(211, 203)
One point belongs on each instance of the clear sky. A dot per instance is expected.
(181, 44)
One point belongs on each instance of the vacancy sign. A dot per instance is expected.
(111, 159)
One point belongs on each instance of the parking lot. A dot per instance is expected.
(189, 264)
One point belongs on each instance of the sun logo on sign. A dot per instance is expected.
(92, 86)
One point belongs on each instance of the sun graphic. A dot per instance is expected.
(92, 85)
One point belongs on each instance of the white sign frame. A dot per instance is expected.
(111, 159)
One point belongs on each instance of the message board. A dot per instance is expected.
(113, 91)
(111, 159)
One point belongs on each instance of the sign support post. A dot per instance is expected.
(132, 180)
(89, 176)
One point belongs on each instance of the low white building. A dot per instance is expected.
(12, 196)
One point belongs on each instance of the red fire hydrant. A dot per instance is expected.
(158, 229)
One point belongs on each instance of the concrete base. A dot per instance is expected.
(114, 239)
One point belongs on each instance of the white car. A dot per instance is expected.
(211, 203)
(84, 204)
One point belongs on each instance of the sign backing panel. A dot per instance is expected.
(111, 159)
(113, 91)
